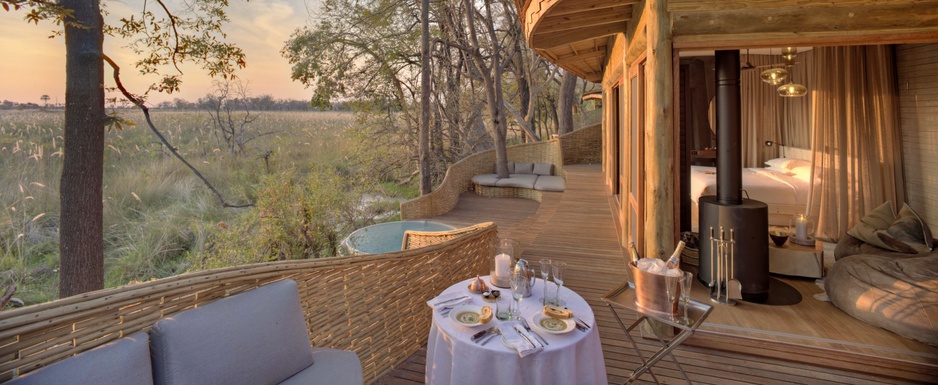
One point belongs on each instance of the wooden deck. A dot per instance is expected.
(809, 343)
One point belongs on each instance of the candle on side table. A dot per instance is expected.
(502, 265)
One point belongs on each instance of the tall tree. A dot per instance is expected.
(164, 40)
(565, 107)
(81, 235)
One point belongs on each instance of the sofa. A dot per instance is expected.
(883, 283)
(255, 337)
(534, 176)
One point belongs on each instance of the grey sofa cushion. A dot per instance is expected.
(543, 168)
(518, 180)
(511, 167)
(523, 168)
(485, 179)
(124, 361)
(331, 367)
(255, 337)
(550, 183)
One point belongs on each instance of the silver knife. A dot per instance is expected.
(449, 300)
(525, 337)
(527, 327)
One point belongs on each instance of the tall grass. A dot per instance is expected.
(158, 216)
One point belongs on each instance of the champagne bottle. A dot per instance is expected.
(675, 259)
(633, 252)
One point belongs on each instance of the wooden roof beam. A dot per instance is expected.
(556, 39)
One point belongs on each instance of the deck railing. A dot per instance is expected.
(580, 146)
(374, 305)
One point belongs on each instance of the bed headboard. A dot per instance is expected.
(795, 152)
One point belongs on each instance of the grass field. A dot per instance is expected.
(160, 220)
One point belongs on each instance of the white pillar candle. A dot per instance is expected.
(801, 228)
(502, 264)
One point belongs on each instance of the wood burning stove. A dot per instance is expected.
(747, 218)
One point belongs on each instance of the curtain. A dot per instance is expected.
(767, 116)
(856, 142)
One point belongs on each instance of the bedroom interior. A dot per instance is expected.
(851, 110)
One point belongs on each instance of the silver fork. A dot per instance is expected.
(492, 334)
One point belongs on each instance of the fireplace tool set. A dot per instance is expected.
(724, 287)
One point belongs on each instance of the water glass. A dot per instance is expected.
(687, 281)
(502, 308)
(545, 273)
(557, 269)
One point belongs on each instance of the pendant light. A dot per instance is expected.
(792, 90)
(774, 76)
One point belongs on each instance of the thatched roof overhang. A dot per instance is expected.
(575, 34)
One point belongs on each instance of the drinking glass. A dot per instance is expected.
(671, 285)
(545, 273)
(502, 308)
(557, 269)
(518, 283)
(686, 282)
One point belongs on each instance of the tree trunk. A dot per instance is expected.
(425, 186)
(660, 236)
(81, 229)
(565, 103)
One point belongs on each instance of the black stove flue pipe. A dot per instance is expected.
(748, 218)
(729, 131)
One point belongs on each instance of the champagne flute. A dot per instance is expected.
(671, 285)
(518, 283)
(557, 268)
(687, 281)
(545, 273)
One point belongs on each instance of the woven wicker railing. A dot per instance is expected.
(583, 146)
(374, 305)
(458, 177)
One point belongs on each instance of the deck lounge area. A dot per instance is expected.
(810, 342)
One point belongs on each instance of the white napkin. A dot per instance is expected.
(448, 301)
(512, 332)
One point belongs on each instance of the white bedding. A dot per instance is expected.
(784, 194)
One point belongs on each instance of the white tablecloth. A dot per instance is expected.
(574, 357)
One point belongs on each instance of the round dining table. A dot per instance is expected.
(572, 357)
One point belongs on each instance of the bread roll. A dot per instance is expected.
(485, 315)
(557, 312)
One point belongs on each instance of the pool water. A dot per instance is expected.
(387, 237)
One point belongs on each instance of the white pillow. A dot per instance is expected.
(786, 163)
(795, 163)
(801, 171)
(776, 169)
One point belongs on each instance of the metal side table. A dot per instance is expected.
(623, 297)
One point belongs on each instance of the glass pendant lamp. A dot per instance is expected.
(792, 90)
(774, 76)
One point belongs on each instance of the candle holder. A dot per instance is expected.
(801, 229)
(506, 253)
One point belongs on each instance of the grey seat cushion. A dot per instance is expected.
(899, 295)
(518, 180)
(485, 179)
(543, 168)
(124, 361)
(550, 183)
(523, 168)
(255, 337)
(330, 367)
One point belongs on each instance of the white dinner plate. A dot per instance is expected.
(466, 315)
(553, 325)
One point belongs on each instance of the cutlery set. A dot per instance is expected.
(484, 336)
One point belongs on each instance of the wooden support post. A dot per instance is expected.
(659, 133)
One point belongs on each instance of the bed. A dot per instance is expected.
(783, 185)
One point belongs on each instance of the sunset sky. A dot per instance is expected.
(32, 65)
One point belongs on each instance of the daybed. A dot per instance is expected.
(521, 176)
(897, 291)
(255, 337)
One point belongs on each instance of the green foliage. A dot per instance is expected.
(159, 220)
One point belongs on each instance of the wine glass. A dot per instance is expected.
(687, 281)
(557, 268)
(545, 273)
(518, 283)
(671, 286)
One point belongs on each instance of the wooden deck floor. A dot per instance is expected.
(755, 344)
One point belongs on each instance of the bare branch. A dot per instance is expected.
(146, 114)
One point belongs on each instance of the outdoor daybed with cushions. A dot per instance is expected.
(255, 337)
(534, 176)
(895, 290)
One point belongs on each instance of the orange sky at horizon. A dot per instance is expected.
(33, 65)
